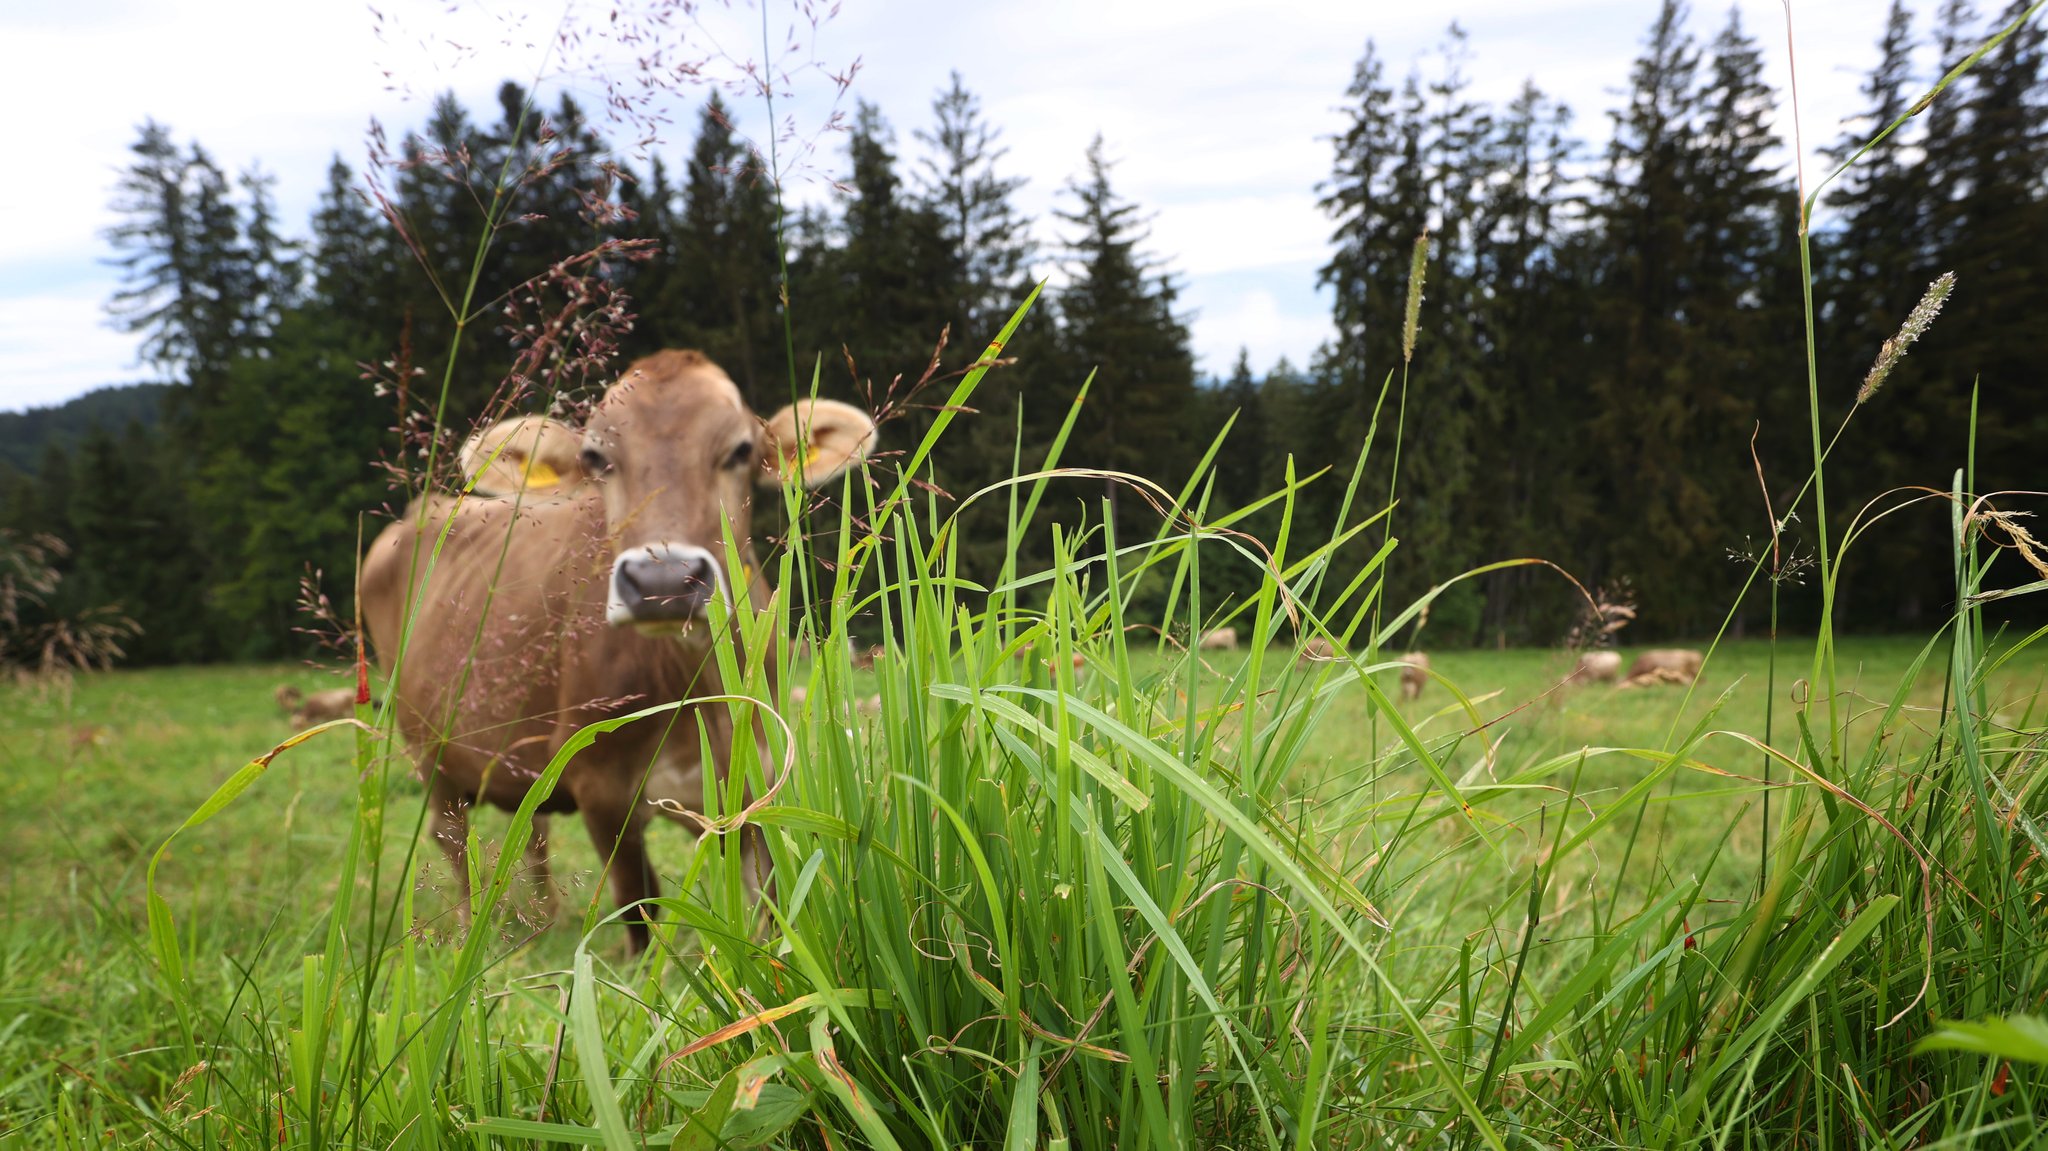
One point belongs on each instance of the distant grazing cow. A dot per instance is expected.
(1598, 667)
(319, 707)
(1664, 665)
(1219, 639)
(532, 453)
(1414, 674)
(590, 606)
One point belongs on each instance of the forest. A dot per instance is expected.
(1610, 369)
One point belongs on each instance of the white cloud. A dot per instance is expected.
(1233, 316)
(1218, 111)
(1240, 233)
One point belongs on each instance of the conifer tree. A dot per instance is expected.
(1641, 407)
(1374, 197)
(1119, 320)
(1999, 251)
(885, 284)
(713, 286)
(1239, 468)
(1530, 326)
(1872, 258)
(988, 242)
(200, 282)
(1875, 251)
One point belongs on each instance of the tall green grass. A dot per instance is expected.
(1119, 904)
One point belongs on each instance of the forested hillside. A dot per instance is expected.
(25, 436)
(1609, 373)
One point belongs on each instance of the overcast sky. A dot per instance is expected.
(1218, 112)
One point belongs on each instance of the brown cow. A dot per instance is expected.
(541, 617)
(1597, 666)
(1219, 639)
(1414, 674)
(1665, 665)
(306, 710)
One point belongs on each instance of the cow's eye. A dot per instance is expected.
(594, 462)
(742, 454)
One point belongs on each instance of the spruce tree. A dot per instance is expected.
(721, 294)
(201, 280)
(1742, 363)
(1242, 464)
(1530, 326)
(1649, 489)
(988, 243)
(884, 284)
(1119, 320)
(1999, 252)
(1872, 258)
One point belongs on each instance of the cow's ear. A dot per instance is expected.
(535, 453)
(816, 438)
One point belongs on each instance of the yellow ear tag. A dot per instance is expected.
(539, 475)
(811, 456)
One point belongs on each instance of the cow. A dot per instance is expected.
(1664, 665)
(1414, 674)
(540, 617)
(1598, 666)
(306, 710)
(1219, 639)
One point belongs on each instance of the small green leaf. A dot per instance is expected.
(1023, 1134)
(701, 1131)
(2022, 1038)
(777, 1108)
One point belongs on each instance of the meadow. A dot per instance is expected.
(102, 771)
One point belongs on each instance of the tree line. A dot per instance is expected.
(1609, 370)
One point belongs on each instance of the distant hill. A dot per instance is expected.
(25, 435)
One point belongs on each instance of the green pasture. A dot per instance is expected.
(93, 778)
(97, 774)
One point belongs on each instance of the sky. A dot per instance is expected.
(1218, 113)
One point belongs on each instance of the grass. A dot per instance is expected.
(110, 768)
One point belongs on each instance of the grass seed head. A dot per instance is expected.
(1416, 264)
(1917, 322)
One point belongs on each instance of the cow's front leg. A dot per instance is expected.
(621, 841)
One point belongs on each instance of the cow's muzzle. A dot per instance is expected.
(661, 583)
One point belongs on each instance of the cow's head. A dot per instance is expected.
(676, 454)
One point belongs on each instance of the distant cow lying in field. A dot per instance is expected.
(591, 605)
(1414, 674)
(1219, 639)
(1597, 667)
(319, 707)
(1664, 665)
